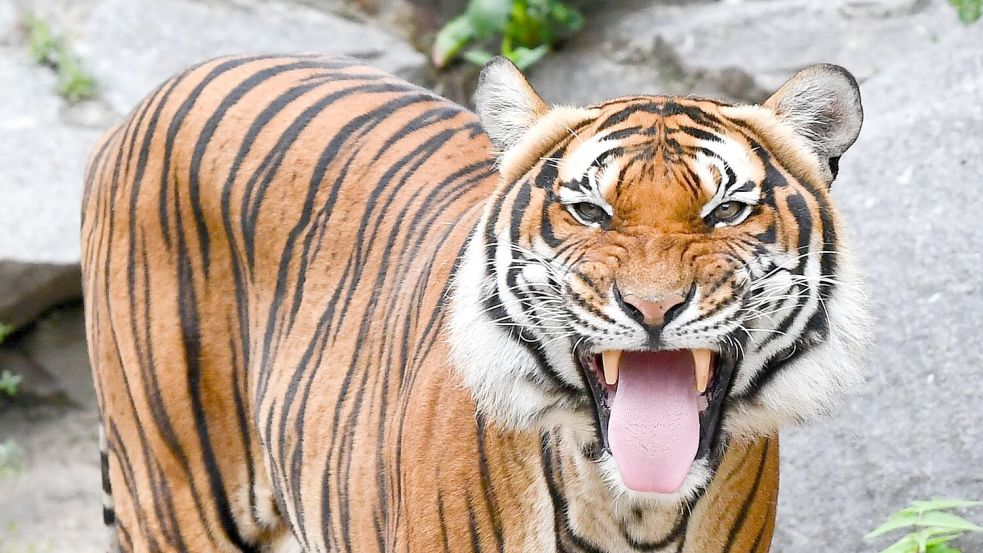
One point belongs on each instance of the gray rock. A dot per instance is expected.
(44, 158)
(771, 40)
(30, 289)
(8, 20)
(57, 345)
(51, 358)
(910, 188)
(133, 45)
(55, 502)
(736, 50)
(593, 68)
(36, 385)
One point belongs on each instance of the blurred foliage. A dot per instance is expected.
(10, 544)
(969, 10)
(932, 527)
(528, 30)
(49, 50)
(9, 382)
(10, 459)
(10, 454)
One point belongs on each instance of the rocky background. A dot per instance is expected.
(909, 189)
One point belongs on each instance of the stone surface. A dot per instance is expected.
(43, 161)
(910, 188)
(8, 19)
(54, 504)
(771, 40)
(737, 50)
(30, 289)
(52, 359)
(56, 344)
(36, 384)
(162, 37)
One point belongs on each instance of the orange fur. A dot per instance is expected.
(266, 319)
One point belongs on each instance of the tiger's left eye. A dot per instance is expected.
(727, 212)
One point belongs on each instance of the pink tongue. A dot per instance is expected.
(654, 430)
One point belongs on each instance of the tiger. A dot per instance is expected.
(330, 310)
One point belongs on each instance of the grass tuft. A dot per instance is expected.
(50, 50)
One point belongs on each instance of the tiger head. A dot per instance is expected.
(661, 276)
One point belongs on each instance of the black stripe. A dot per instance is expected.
(748, 499)
(191, 341)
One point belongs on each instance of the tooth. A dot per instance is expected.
(611, 360)
(701, 360)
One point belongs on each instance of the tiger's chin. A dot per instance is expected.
(697, 478)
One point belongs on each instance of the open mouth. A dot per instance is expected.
(657, 411)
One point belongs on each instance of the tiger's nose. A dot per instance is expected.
(653, 312)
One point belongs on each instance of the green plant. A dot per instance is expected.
(528, 29)
(10, 454)
(49, 50)
(9, 382)
(74, 84)
(932, 526)
(10, 458)
(968, 10)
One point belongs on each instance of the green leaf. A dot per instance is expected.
(74, 84)
(44, 46)
(907, 544)
(943, 538)
(9, 382)
(5, 331)
(969, 10)
(488, 17)
(566, 18)
(524, 58)
(451, 39)
(478, 57)
(947, 521)
(941, 548)
(901, 519)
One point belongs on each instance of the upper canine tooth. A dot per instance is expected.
(610, 362)
(701, 361)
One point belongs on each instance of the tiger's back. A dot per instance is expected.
(205, 213)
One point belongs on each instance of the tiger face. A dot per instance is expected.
(659, 276)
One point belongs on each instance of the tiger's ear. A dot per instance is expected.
(822, 105)
(506, 103)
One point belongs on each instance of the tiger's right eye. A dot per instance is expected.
(727, 211)
(590, 213)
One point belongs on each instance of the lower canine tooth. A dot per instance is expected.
(701, 362)
(610, 362)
